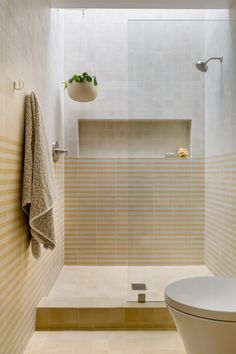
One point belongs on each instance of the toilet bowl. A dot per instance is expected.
(204, 311)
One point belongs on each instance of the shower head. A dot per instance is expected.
(202, 65)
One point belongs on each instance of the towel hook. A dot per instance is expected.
(18, 85)
(56, 151)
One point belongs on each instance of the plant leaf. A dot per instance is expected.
(95, 80)
(82, 78)
(75, 78)
(89, 78)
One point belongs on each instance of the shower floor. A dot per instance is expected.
(110, 286)
(92, 298)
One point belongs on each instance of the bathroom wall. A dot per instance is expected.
(136, 211)
(134, 138)
(132, 210)
(31, 49)
(220, 108)
(145, 68)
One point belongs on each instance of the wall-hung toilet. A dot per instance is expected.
(204, 311)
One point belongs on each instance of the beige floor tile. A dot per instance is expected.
(126, 352)
(165, 352)
(106, 342)
(108, 286)
(165, 341)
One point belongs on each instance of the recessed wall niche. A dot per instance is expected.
(133, 137)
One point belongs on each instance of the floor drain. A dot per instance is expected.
(138, 286)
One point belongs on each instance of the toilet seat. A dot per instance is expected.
(206, 297)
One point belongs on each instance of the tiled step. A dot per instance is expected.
(92, 297)
(137, 316)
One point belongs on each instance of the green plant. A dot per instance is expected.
(85, 77)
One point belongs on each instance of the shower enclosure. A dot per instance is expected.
(131, 205)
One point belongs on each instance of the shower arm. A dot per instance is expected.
(214, 58)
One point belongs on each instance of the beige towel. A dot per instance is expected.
(38, 183)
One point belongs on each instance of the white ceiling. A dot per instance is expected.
(144, 4)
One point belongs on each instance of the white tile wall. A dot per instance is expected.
(220, 88)
(31, 49)
(134, 138)
(145, 69)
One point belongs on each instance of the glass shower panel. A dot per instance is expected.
(166, 112)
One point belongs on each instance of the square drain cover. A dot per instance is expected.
(139, 286)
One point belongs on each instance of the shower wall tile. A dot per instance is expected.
(220, 117)
(220, 88)
(137, 137)
(31, 49)
(220, 239)
(145, 69)
(134, 211)
(23, 280)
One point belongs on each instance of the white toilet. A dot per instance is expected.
(204, 311)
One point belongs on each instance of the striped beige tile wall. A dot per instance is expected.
(23, 281)
(137, 211)
(220, 240)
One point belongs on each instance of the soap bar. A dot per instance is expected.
(170, 154)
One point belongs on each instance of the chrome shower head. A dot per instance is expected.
(202, 65)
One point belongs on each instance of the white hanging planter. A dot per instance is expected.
(82, 91)
(82, 87)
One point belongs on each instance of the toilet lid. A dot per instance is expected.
(206, 297)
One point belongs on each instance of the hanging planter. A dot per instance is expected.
(82, 88)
